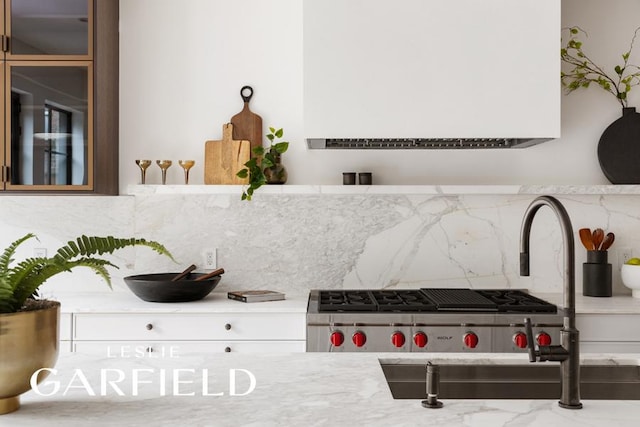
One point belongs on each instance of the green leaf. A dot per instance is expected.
(625, 56)
(281, 147)
(619, 70)
(268, 161)
(22, 281)
(258, 151)
(279, 133)
(272, 130)
(270, 136)
(244, 173)
(574, 30)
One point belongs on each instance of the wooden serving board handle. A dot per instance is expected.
(246, 124)
(224, 158)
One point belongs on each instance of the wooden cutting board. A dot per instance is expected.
(246, 124)
(224, 158)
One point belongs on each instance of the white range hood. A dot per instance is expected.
(431, 73)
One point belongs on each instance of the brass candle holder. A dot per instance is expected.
(164, 165)
(186, 165)
(143, 165)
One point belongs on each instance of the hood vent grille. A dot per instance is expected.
(421, 143)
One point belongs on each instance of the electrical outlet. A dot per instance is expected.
(209, 261)
(624, 255)
(40, 252)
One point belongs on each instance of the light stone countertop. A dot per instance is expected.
(217, 301)
(306, 389)
(137, 190)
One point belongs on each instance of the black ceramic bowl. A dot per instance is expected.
(159, 287)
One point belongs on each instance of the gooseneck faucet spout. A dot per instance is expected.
(568, 353)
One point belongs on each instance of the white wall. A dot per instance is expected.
(183, 64)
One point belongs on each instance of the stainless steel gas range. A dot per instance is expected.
(428, 320)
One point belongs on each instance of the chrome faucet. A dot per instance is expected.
(568, 353)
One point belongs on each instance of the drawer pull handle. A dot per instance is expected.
(227, 349)
(149, 326)
(149, 349)
(227, 326)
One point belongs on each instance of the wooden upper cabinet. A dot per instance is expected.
(51, 29)
(60, 96)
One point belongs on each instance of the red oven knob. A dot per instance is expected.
(470, 340)
(520, 340)
(543, 338)
(337, 338)
(359, 338)
(397, 339)
(420, 339)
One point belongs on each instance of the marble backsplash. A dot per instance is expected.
(296, 241)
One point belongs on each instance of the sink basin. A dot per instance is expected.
(512, 381)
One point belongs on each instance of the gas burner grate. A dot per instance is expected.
(432, 300)
(515, 300)
(348, 300)
(402, 300)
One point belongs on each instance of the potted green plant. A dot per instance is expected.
(29, 325)
(266, 166)
(616, 149)
(585, 71)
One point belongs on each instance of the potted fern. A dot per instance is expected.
(28, 325)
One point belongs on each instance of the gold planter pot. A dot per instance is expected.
(28, 342)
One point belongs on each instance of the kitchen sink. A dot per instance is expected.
(512, 381)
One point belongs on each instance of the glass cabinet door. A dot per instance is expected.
(49, 124)
(57, 29)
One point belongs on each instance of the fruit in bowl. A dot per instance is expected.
(630, 274)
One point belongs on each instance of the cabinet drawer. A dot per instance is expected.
(608, 327)
(65, 347)
(65, 326)
(167, 349)
(609, 347)
(189, 326)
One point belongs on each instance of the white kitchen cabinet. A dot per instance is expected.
(65, 332)
(173, 349)
(138, 334)
(609, 333)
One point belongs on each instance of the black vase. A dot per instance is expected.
(619, 149)
(276, 174)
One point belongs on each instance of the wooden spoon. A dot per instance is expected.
(586, 238)
(184, 274)
(608, 241)
(210, 275)
(598, 236)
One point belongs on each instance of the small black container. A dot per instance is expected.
(365, 178)
(596, 275)
(348, 178)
